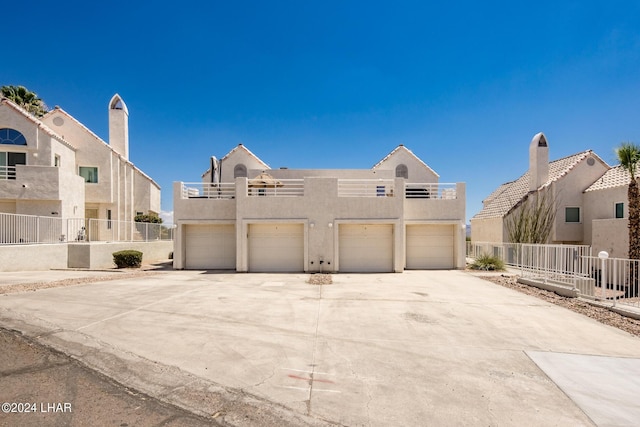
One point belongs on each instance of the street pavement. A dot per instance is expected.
(416, 348)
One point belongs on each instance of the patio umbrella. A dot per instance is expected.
(264, 180)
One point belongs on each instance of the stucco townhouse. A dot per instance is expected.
(55, 166)
(246, 216)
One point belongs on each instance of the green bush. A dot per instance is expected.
(127, 258)
(488, 262)
(154, 219)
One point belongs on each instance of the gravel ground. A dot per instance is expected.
(34, 286)
(320, 279)
(601, 314)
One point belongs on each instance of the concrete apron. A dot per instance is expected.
(437, 348)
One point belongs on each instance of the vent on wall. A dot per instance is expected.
(591, 161)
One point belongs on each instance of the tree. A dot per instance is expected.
(25, 99)
(629, 155)
(531, 221)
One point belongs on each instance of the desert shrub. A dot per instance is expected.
(488, 262)
(127, 258)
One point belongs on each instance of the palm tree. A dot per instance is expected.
(26, 99)
(629, 156)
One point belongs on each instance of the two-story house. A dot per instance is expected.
(589, 196)
(246, 216)
(55, 166)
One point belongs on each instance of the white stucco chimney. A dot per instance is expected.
(538, 161)
(119, 126)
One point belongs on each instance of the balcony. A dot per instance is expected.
(30, 182)
(346, 188)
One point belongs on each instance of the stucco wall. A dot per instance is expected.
(568, 192)
(600, 204)
(611, 235)
(417, 171)
(33, 257)
(488, 230)
(100, 255)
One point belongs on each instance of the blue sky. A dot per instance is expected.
(465, 85)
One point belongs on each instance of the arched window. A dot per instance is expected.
(240, 171)
(12, 137)
(402, 172)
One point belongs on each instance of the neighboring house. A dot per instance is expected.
(590, 200)
(55, 166)
(608, 213)
(245, 216)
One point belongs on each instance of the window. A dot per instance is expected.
(380, 190)
(8, 162)
(240, 171)
(402, 172)
(571, 214)
(56, 161)
(619, 210)
(12, 137)
(90, 174)
(108, 219)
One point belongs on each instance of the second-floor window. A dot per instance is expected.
(572, 214)
(619, 210)
(89, 173)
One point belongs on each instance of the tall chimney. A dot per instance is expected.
(119, 126)
(538, 161)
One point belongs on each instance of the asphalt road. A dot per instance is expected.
(40, 387)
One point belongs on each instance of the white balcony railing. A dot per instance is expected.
(7, 172)
(204, 190)
(443, 191)
(278, 188)
(365, 187)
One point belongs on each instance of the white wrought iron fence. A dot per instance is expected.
(365, 187)
(277, 188)
(203, 190)
(29, 229)
(444, 191)
(612, 279)
(554, 263)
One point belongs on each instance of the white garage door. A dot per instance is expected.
(276, 247)
(210, 247)
(366, 247)
(430, 247)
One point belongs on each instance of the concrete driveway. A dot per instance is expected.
(417, 348)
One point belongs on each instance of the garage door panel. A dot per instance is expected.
(276, 247)
(210, 247)
(430, 246)
(365, 247)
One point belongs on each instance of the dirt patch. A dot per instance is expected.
(320, 279)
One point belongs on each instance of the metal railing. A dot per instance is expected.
(29, 229)
(443, 191)
(365, 187)
(203, 190)
(278, 188)
(7, 172)
(612, 280)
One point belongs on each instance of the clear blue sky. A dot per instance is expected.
(338, 84)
